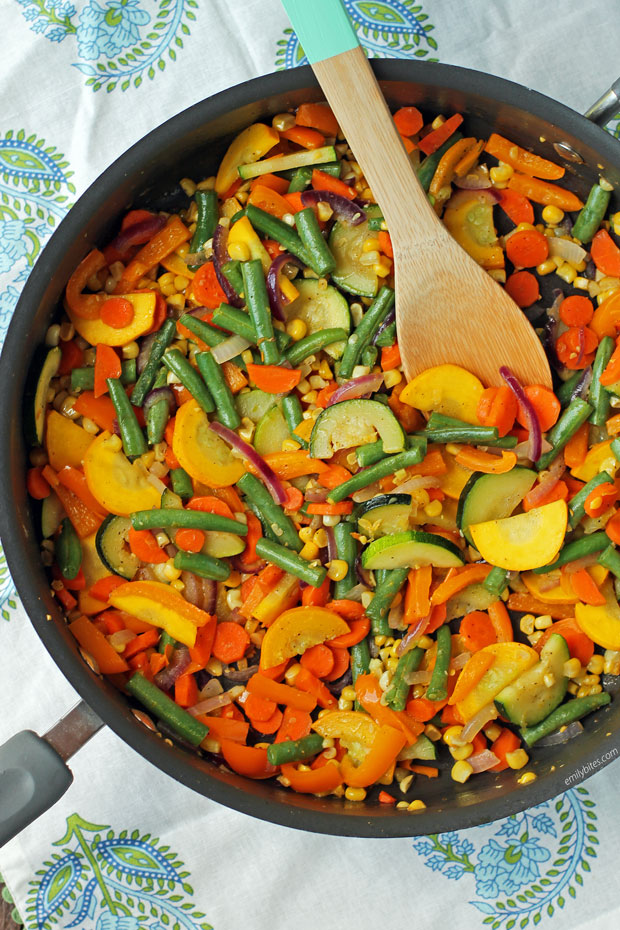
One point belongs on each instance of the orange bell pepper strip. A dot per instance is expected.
(84, 520)
(247, 760)
(317, 116)
(274, 379)
(223, 728)
(316, 781)
(544, 192)
(85, 306)
(417, 597)
(576, 448)
(369, 695)
(269, 200)
(100, 410)
(296, 464)
(321, 181)
(445, 170)
(490, 464)
(471, 574)
(522, 160)
(437, 137)
(605, 254)
(387, 743)
(527, 604)
(502, 624)
(75, 481)
(307, 681)
(95, 643)
(600, 499)
(174, 234)
(471, 674)
(281, 694)
(611, 374)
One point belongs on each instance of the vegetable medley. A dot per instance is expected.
(292, 559)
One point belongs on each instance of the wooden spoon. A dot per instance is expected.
(448, 309)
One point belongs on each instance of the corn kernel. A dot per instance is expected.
(546, 267)
(452, 735)
(310, 397)
(320, 538)
(382, 268)
(292, 672)
(348, 693)
(604, 183)
(376, 667)
(517, 759)
(181, 282)
(572, 668)
(461, 752)
(567, 273)
(527, 778)
(404, 783)
(461, 771)
(596, 664)
(367, 597)
(331, 519)
(581, 284)
(337, 569)
(176, 301)
(524, 226)
(542, 623)
(526, 624)
(392, 377)
(437, 122)
(306, 534)
(612, 662)
(552, 215)
(170, 572)
(214, 667)
(433, 509)
(501, 173)
(371, 245)
(296, 329)
(304, 386)
(325, 371)
(165, 279)
(239, 251)
(289, 445)
(425, 642)
(283, 121)
(344, 705)
(416, 805)
(402, 806)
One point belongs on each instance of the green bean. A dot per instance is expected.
(68, 550)
(83, 379)
(237, 216)
(277, 229)
(165, 709)
(428, 167)
(158, 413)
(166, 639)
(473, 435)
(566, 713)
(575, 505)
(188, 519)
(206, 221)
(578, 549)
(147, 378)
(206, 333)
(615, 449)
(269, 513)
(591, 214)
(258, 307)
(312, 344)
(610, 559)
(364, 331)
(373, 452)
(294, 750)
(360, 659)
(369, 356)
(598, 396)
(290, 562)
(387, 337)
(291, 408)
(438, 685)
(375, 217)
(496, 581)
(346, 549)
(189, 378)
(232, 272)
(396, 696)
(381, 469)
(573, 417)
(385, 592)
(213, 376)
(565, 391)
(206, 566)
(181, 483)
(322, 260)
(134, 443)
(236, 321)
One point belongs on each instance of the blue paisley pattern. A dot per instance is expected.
(119, 42)
(526, 866)
(385, 28)
(111, 882)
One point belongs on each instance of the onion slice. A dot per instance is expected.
(263, 470)
(562, 736)
(344, 209)
(274, 291)
(220, 257)
(540, 491)
(477, 722)
(535, 437)
(387, 322)
(483, 761)
(226, 350)
(566, 249)
(178, 663)
(138, 233)
(209, 704)
(365, 384)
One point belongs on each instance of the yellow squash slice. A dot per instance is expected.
(298, 629)
(509, 661)
(120, 486)
(446, 389)
(202, 453)
(524, 541)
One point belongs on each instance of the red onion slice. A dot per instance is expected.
(220, 257)
(366, 384)
(344, 209)
(157, 394)
(387, 322)
(540, 491)
(178, 663)
(483, 761)
(332, 551)
(138, 233)
(274, 291)
(535, 437)
(562, 736)
(264, 471)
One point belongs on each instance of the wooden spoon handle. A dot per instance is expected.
(356, 99)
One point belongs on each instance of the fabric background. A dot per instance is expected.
(80, 82)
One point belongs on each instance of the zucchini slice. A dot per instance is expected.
(255, 404)
(37, 401)
(351, 275)
(540, 689)
(492, 497)
(320, 309)
(327, 153)
(354, 423)
(112, 542)
(411, 549)
(384, 515)
(271, 431)
(423, 748)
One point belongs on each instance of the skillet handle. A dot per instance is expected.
(606, 106)
(33, 770)
(32, 778)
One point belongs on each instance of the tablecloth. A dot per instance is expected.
(80, 82)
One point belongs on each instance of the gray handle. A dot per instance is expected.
(32, 778)
(606, 106)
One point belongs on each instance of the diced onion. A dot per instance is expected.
(210, 704)
(229, 348)
(566, 249)
(483, 761)
(477, 722)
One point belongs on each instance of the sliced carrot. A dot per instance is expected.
(580, 646)
(317, 116)
(189, 540)
(305, 136)
(321, 181)
(544, 192)
(506, 742)
(385, 243)
(102, 588)
(231, 641)
(295, 725)
(319, 660)
(385, 798)
(421, 709)
(206, 288)
(576, 310)
(37, 486)
(257, 707)
(525, 603)
(605, 254)
(342, 660)
(409, 121)
(271, 725)
(344, 507)
(497, 407)
(477, 631)
(334, 475)
(527, 248)
(117, 312)
(390, 357)
(145, 547)
(490, 464)
(471, 674)
(107, 365)
(576, 448)
(521, 159)
(575, 348)
(358, 630)
(281, 694)
(502, 624)
(430, 143)
(316, 597)
(523, 288)
(545, 404)
(95, 643)
(470, 574)
(141, 642)
(516, 206)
